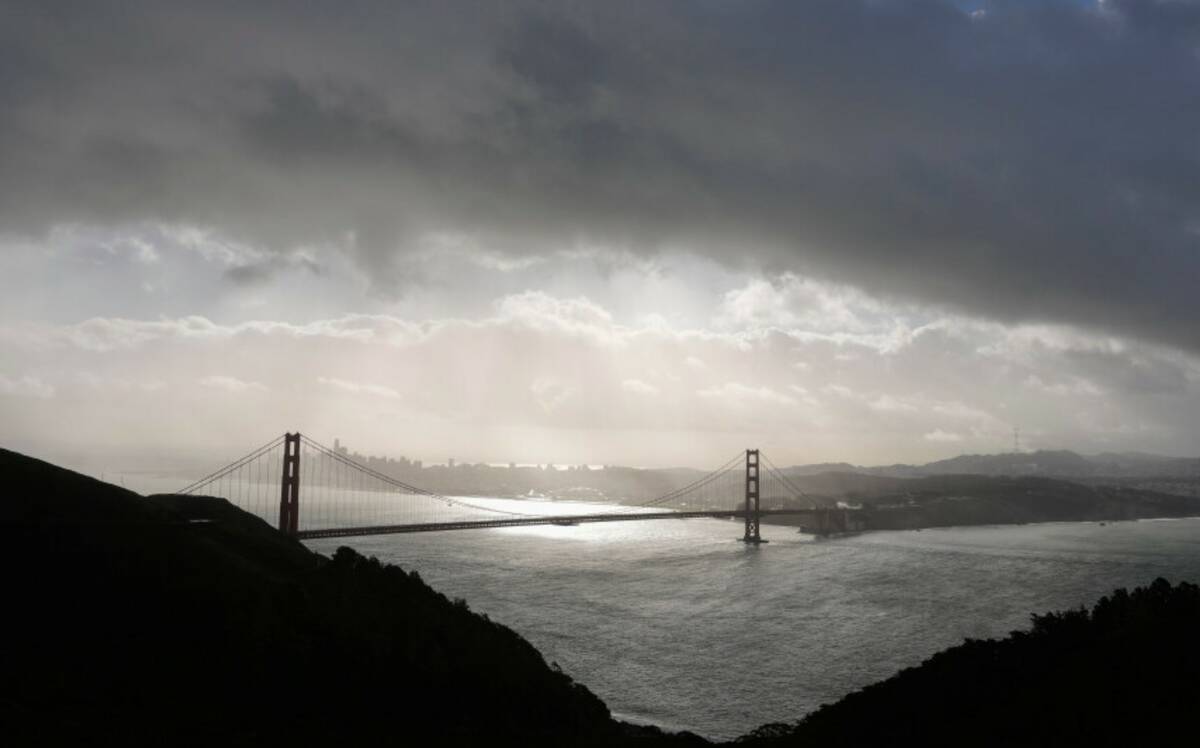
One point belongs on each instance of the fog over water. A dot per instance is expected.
(679, 624)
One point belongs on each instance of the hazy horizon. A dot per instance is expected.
(843, 231)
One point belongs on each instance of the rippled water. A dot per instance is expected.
(679, 624)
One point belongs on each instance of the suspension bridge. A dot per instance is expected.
(345, 498)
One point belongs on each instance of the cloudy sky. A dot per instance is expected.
(609, 232)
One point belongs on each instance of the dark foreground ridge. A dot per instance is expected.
(1127, 672)
(171, 619)
(174, 620)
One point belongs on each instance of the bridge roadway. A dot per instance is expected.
(346, 532)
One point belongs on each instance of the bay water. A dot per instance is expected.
(679, 624)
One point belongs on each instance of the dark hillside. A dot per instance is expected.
(171, 620)
(1125, 673)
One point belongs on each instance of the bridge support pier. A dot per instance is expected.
(752, 511)
(289, 492)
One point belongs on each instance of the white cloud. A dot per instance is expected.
(962, 410)
(817, 310)
(550, 393)
(119, 384)
(1068, 386)
(638, 387)
(466, 248)
(840, 390)
(891, 404)
(358, 388)
(805, 396)
(144, 252)
(25, 386)
(537, 371)
(736, 391)
(109, 334)
(938, 435)
(231, 384)
(212, 246)
(541, 311)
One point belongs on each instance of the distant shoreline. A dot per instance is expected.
(791, 522)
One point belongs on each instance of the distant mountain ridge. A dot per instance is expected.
(1060, 463)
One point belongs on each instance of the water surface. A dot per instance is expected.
(679, 624)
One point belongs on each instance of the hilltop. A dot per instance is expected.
(950, 500)
(1126, 672)
(1056, 463)
(173, 619)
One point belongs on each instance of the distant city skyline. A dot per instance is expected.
(452, 462)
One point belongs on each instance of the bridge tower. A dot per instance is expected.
(289, 494)
(752, 515)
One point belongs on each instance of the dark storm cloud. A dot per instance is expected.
(1028, 161)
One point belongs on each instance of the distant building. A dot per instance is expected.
(450, 463)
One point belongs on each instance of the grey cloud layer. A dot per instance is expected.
(1030, 161)
(549, 378)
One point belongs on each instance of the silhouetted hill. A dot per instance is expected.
(181, 620)
(820, 468)
(1060, 462)
(848, 485)
(948, 500)
(1047, 463)
(1125, 673)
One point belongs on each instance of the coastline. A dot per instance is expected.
(773, 522)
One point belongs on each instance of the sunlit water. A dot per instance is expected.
(679, 624)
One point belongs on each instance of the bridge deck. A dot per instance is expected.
(346, 532)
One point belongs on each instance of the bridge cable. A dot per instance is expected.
(222, 472)
(363, 469)
(695, 485)
(779, 475)
(709, 486)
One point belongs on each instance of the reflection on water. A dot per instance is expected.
(325, 506)
(680, 624)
